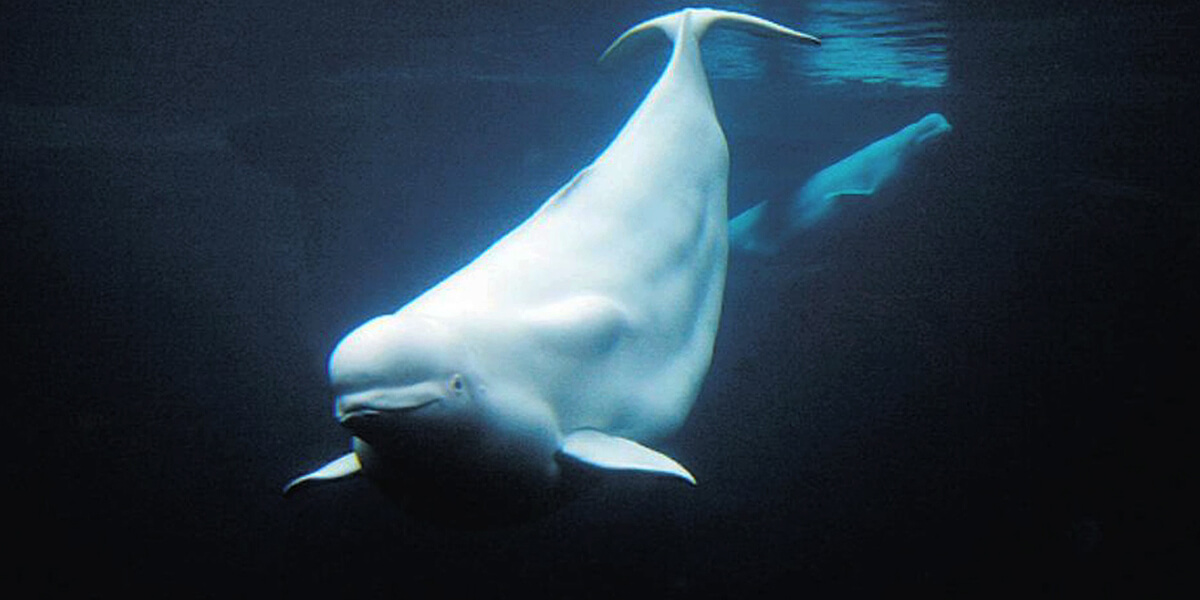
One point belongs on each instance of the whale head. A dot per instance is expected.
(436, 435)
(931, 127)
(398, 379)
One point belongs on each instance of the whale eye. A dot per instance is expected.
(456, 383)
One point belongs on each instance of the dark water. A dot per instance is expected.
(981, 386)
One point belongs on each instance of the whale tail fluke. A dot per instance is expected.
(768, 226)
(698, 20)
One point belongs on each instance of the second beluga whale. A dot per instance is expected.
(769, 226)
(575, 339)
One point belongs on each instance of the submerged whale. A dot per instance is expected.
(767, 227)
(573, 341)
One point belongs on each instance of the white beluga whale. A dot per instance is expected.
(575, 341)
(767, 227)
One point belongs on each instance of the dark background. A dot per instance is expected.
(983, 386)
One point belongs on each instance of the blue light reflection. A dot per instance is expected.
(876, 42)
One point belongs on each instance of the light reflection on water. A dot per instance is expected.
(873, 41)
(900, 43)
(863, 42)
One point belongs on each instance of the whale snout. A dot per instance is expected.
(929, 128)
(384, 367)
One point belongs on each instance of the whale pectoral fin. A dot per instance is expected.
(343, 466)
(619, 454)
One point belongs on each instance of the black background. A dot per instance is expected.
(984, 387)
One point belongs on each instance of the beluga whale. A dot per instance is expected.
(768, 227)
(574, 342)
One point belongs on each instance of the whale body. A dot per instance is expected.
(769, 226)
(576, 339)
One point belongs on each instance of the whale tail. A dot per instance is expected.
(768, 226)
(699, 20)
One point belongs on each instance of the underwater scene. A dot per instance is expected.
(822, 298)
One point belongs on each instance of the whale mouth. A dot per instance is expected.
(378, 403)
(348, 418)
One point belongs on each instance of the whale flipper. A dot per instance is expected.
(619, 454)
(768, 226)
(343, 466)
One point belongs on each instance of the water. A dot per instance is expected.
(978, 386)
